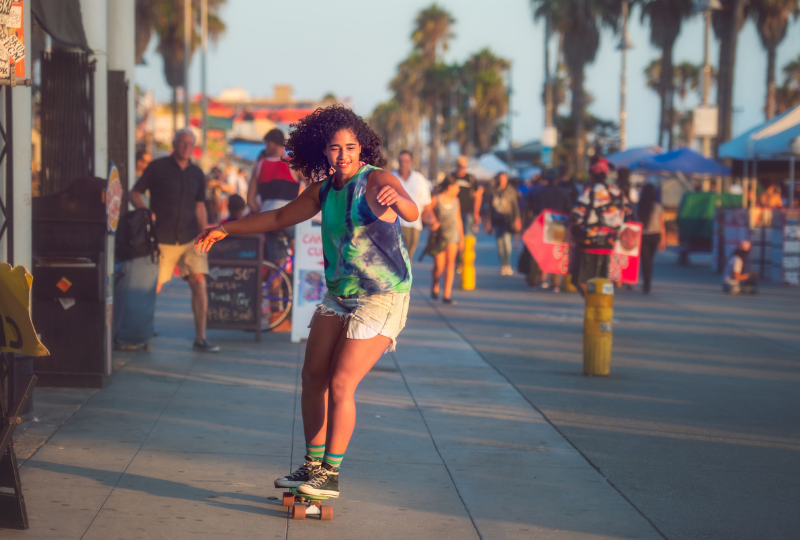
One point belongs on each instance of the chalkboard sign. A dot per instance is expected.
(234, 284)
(239, 248)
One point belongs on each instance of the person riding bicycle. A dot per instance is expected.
(275, 185)
(367, 273)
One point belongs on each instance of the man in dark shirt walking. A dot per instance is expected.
(177, 201)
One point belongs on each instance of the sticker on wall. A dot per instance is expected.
(64, 284)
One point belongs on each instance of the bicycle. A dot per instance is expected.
(276, 287)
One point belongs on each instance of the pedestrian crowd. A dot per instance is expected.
(184, 201)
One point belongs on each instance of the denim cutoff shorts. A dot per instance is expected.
(368, 315)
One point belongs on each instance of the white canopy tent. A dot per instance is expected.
(487, 167)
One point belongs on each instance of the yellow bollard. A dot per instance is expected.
(598, 327)
(468, 264)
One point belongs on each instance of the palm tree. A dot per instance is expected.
(772, 20)
(407, 87)
(488, 73)
(666, 17)
(727, 23)
(165, 18)
(578, 23)
(387, 120)
(687, 77)
(433, 29)
(652, 74)
(788, 94)
(791, 72)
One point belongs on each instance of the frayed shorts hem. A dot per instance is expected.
(369, 315)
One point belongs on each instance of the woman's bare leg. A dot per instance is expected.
(438, 269)
(351, 362)
(326, 332)
(450, 268)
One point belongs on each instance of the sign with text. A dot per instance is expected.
(548, 241)
(624, 264)
(12, 38)
(234, 283)
(17, 334)
(309, 277)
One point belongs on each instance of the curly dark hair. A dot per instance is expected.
(305, 146)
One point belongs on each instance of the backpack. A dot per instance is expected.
(136, 236)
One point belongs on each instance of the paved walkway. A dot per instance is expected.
(183, 445)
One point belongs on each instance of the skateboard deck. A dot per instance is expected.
(302, 505)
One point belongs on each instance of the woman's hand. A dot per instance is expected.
(388, 196)
(662, 246)
(488, 227)
(434, 224)
(208, 238)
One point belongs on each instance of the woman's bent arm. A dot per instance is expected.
(389, 192)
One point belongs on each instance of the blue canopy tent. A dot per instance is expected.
(683, 160)
(624, 159)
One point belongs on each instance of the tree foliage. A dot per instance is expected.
(463, 102)
(772, 21)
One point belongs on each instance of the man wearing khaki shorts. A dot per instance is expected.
(177, 201)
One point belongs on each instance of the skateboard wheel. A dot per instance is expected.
(326, 512)
(298, 511)
(288, 498)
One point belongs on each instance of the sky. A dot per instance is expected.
(352, 49)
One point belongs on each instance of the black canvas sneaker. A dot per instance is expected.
(203, 345)
(324, 482)
(300, 476)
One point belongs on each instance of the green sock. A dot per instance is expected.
(334, 460)
(315, 451)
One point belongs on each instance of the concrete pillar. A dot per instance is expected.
(21, 137)
(95, 25)
(122, 57)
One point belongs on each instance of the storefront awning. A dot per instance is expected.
(62, 20)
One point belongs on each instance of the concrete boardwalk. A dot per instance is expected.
(184, 445)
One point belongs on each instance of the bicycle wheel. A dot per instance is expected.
(276, 295)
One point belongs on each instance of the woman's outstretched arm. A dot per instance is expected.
(304, 207)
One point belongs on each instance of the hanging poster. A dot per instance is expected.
(548, 241)
(624, 264)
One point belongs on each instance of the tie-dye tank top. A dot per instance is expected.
(363, 254)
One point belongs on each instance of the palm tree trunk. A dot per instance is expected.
(578, 111)
(174, 109)
(417, 142)
(727, 63)
(769, 110)
(663, 90)
(669, 94)
(433, 162)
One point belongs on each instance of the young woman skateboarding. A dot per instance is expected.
(367, 271)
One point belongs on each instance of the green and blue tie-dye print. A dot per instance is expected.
(363, 254)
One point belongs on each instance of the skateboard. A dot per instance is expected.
(303, 505)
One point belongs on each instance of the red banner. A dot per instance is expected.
(548, 241)
(624, 264)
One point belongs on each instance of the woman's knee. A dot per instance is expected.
(315, 379)
(341, 388)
